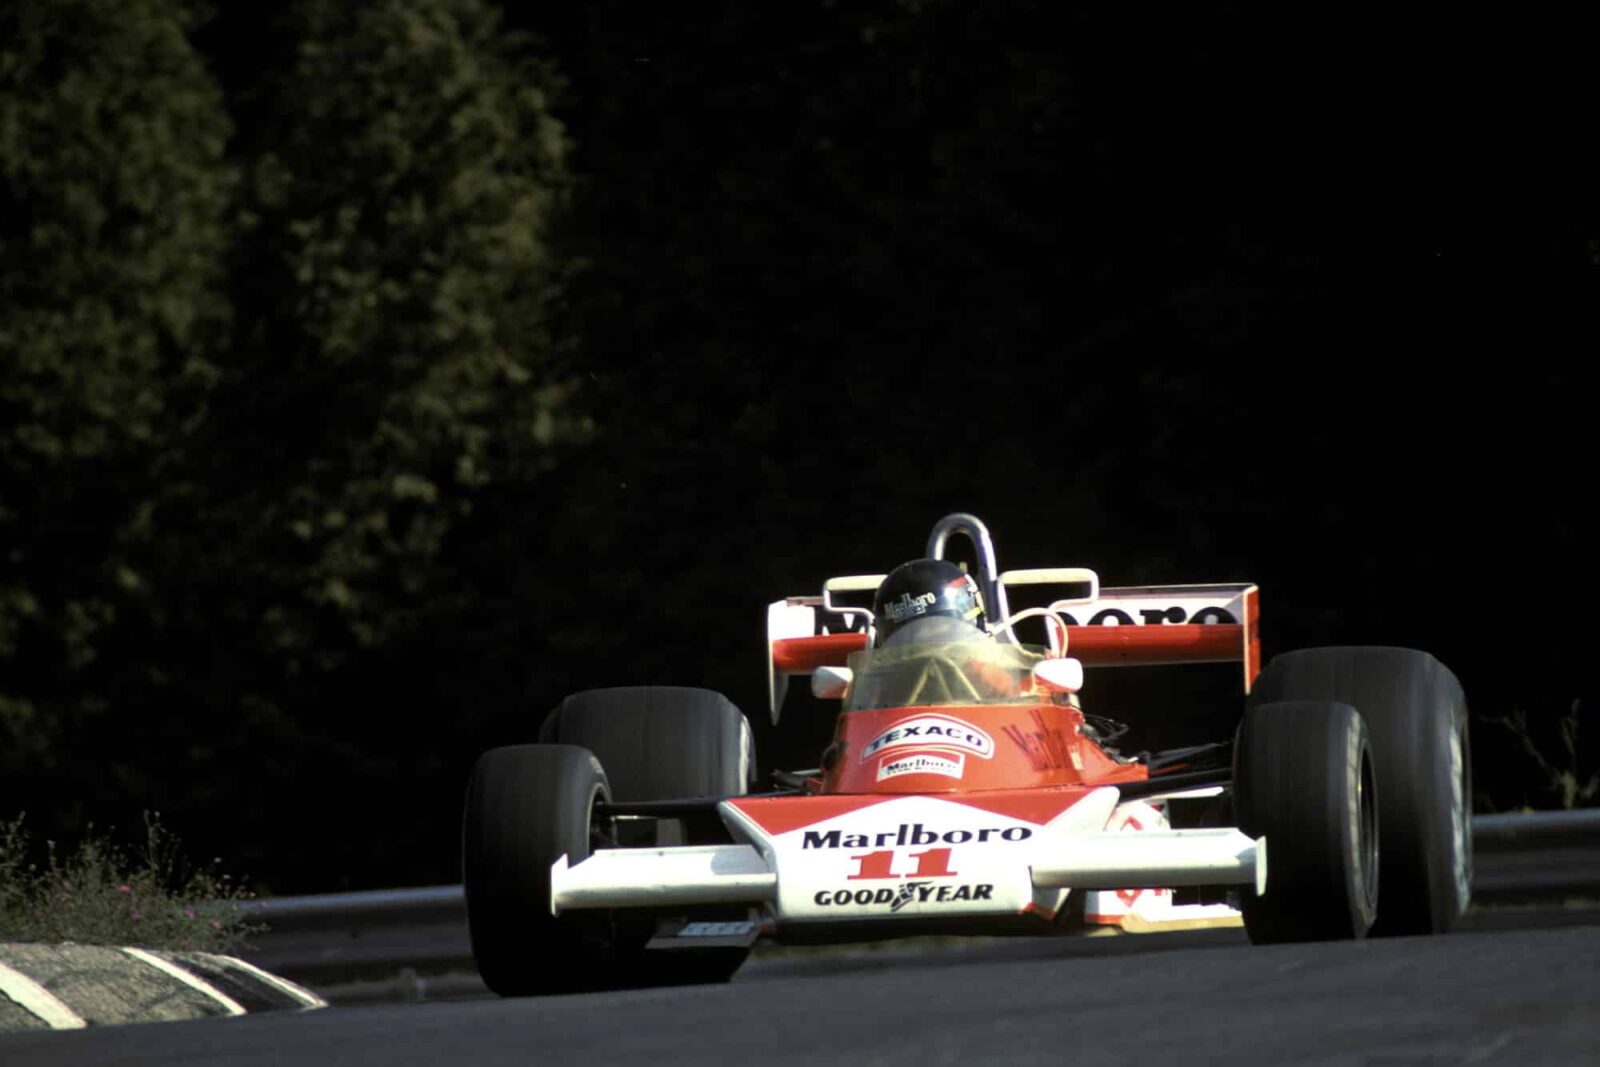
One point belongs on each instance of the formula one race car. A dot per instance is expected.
(967, 791)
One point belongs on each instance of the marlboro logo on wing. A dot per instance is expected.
(915, 834)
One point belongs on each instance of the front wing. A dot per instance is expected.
(832, 858)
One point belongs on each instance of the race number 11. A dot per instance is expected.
(934, 863)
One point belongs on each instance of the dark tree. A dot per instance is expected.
(114, 192)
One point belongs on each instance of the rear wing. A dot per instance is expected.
(1133, 626)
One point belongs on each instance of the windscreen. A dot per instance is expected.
(966, 672)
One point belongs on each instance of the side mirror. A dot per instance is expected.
(1063, 675)
(830, 683)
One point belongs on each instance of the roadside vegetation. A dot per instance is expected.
(97, 893)
(1569, 776)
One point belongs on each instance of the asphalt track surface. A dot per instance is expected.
(1517, 989)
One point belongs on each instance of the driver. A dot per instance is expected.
(927, 601)
(921, 609)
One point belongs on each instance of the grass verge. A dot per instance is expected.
(99, 894)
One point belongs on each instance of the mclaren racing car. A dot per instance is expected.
(968, 789)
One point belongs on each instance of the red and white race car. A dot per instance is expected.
(966, 790)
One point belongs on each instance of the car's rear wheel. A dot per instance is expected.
(1416, 717)
(527, 806)
(664, 743)
(1304, 779)
(659, 742)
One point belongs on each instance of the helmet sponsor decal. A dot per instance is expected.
(909, 607)
(931, 732)
(922, 763)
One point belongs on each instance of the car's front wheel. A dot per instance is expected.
(665, 743)
(527, 806)
(1304, 779)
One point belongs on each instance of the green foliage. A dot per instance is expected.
(113, 194)
(400, 357)
(384, 423)
(97, 894)
(256, 436)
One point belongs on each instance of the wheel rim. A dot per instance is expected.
(1367, 829)
(602, 831)
(1458, 817)
(596, 929)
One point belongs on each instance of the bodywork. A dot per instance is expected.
(960, 789)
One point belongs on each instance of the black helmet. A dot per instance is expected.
(929, 588)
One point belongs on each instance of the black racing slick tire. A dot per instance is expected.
(659, 742)
(1416, 717)
(528, 805)
(1304, 779)
(666, 743)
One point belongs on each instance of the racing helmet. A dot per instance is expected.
(928, 601)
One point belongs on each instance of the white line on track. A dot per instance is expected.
(38, 1000)
(233, 1007)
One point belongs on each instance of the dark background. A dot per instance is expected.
(1205, 296)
